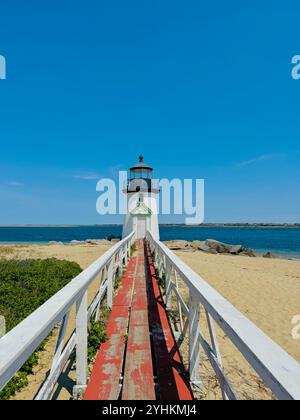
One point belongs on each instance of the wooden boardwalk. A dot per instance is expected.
(140, 360)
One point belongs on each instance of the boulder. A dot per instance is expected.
(74, 242)
(220, 247)
(212, 251)
(91, 242)
(177, 245)
(188, 249)
(236, 249)
(248, 253)
(97, 242)
(269, 255)
(55, 243)
(205, 248)
(197, 244)
(114, 238)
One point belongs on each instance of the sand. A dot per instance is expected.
(267, 291)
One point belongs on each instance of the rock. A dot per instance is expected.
(74, 242)
(248, 253)
(204, 248)
(269, 255)
(55, 243)
(188, 249)
(212, 251)
(113, 238)
(236, 249)
(91, 242)
(97, 242)
(197, 244)
(177, 245)
(220, 247)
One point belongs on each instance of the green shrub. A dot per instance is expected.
(24, 286)
(97, 336)
(133, 248)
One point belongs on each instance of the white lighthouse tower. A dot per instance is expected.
(142, 205)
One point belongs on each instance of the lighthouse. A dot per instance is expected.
(142, 202)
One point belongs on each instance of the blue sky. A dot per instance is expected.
(202, 89)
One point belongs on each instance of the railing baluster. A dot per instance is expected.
(97, 315)
(120, 263)
(60, 341)
(168, 273)
(194, 347)
(215, 346)
(81, 345)
(179, 303)
(125, 251)
(110, 285)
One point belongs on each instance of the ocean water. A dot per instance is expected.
(283, 242)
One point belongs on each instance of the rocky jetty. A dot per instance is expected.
(93, 242)
(210, 246)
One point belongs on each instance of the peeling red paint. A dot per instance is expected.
(138, 297)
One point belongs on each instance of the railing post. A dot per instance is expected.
(110, 285)
(125, 254)
(81, 346)
(168, 284)
(179, 303)
(161, 264)
(194, 345)
(97, 316)
(120, 263)
(129, 249)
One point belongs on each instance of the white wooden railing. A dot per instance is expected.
(279, 371)
(18, 345)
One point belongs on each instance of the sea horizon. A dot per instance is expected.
(283, 240)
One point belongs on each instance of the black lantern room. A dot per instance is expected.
(140, 177)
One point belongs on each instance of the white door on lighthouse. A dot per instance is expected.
(141, 227)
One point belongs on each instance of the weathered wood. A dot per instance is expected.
(215, 348)
(47, 387)
(110, 287)
(194, 332)
(181, 302)
(104, 383)
(173, 381)
(224, 382)
(81, 342)
(138, 383)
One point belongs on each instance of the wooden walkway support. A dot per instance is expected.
(130, 370)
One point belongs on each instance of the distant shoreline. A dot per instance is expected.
(234, 225)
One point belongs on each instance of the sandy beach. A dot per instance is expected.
(267, 291)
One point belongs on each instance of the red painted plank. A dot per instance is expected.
(172, 378)
(105, 377)
(138, 381)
